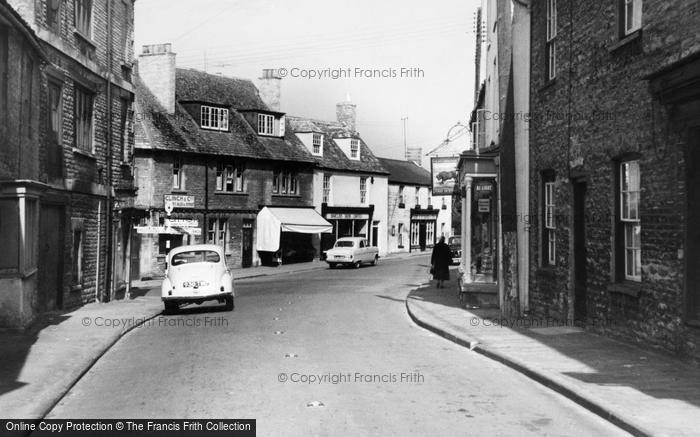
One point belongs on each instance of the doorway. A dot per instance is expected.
(579, 251)
(51, 256)
(421, 235)
(247, 241)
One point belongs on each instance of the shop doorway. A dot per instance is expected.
(421, 235)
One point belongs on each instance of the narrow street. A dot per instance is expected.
(344, 324)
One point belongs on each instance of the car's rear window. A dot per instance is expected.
(454, 240)
(344, 243)
(195, 256)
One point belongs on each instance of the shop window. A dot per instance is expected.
(415, 234)
(9, 228)
(430, 233)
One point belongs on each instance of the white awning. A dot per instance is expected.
(273, 221)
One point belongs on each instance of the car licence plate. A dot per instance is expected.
(194, 284)
(339, 257)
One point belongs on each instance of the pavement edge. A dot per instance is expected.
(90, 362)
(540, 377)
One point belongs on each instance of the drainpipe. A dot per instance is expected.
(109, 283)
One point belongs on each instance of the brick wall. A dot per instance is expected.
(598, 109)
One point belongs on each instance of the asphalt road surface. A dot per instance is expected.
(322, 353)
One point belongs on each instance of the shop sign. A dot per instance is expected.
(484, 205)
(182, 223)
(336, 216)
(424, 217)
(179, 201)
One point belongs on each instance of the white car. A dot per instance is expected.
(352, 251)
(194, 274)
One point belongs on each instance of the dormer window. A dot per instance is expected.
(317, 140)
(266, 124)
(214, 118)
(354, 148)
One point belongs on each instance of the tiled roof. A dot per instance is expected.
(406, 172)
(179, 132)
(333, 157)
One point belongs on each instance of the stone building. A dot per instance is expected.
(211, 155)
(416, 218)
(350, 183)
(614, 192)
(84, 139)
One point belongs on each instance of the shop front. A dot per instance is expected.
(423, 225)
(349, 222)
(284, 235)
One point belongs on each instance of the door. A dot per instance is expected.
(134, 269)
(692, 282)
(421, 236)
(51, 229)
(247, 241)
(580, 294)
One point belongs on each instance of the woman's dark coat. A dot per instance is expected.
(441, 260)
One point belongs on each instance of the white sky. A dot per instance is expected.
(240, 38)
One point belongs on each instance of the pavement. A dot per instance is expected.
(642, 391)
(41, 364)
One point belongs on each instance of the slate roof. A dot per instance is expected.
(179, 132)
(333, 157)
(406, 172)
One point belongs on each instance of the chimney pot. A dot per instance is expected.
(269, 87)
(156, 68)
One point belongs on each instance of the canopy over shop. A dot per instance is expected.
(272, 221)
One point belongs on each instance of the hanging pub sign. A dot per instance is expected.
(444, 175)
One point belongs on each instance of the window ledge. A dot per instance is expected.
(84, 153)
(628, 288)
(287, 196)
(176, 191)
(76, 288)
(85, 38)
(629, 39)
(29, 273)
(231, 193)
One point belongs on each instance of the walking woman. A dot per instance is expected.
(440, 262)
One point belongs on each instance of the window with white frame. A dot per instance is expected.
(363, 190)
(83, 16)
(417, 197)
(629, 218)
(326, 188)
(430, 233)
(214, 118)
(266, 124)
(177, 173)
(549, 245)
(217, 231)
(317, 139)
(354, 148)
(631, 16)
(83, 107)
(401, 200)
(415, 232)
(550, 43)
(229, 178)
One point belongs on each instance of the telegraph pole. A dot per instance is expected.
(405, 149)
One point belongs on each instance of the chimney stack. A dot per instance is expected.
(269, 87)
(157, 70)
(346, 114)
